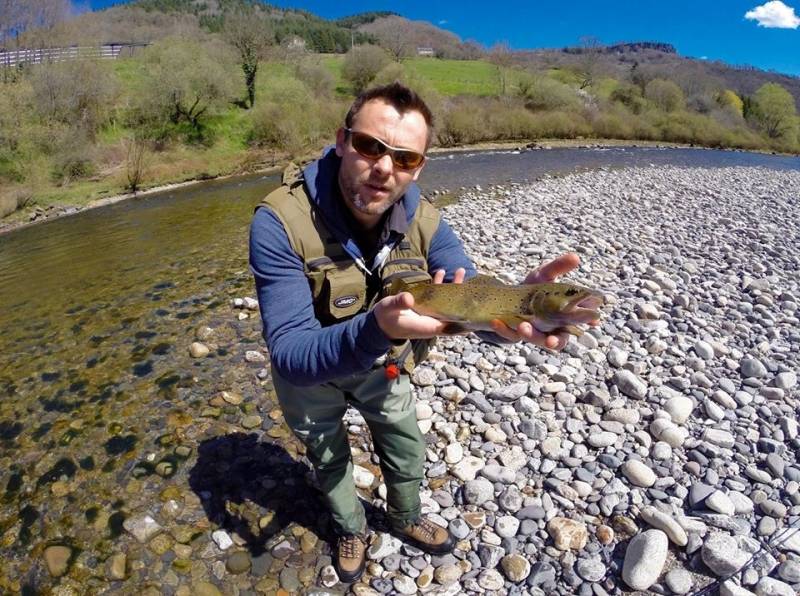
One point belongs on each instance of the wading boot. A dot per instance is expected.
(427, 536)
(351, 557)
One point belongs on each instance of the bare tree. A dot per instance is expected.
(251, 35)
(591, 48)
(34, 16)
(500, 55)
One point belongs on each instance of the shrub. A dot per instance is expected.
(315, 76)
(544, 93)
(460, 124)
(630, 96)
(77, 92)
(362, 64)
(665, 94)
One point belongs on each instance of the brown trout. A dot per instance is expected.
(474, 304)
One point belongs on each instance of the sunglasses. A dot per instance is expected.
(372, 148)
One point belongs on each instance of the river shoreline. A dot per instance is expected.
(57, 211)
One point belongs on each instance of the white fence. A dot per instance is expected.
(106, 52)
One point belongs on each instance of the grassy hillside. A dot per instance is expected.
(180, 109)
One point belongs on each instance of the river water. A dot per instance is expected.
(97, 311)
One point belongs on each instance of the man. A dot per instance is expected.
(323, 247)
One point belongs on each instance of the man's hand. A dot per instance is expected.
(397, 319)
(525, 331)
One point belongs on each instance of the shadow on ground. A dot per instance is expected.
(241, 480)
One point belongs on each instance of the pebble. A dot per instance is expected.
(722, 555)
(568, 534)
(57, 558)
(665, 523)
(679, 581)
(644, 559)
(516, 568)
(199, 350)
(638, 473)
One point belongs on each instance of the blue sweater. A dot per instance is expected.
(302, 350)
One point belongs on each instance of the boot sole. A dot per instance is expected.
(349, 579)
(445, 548)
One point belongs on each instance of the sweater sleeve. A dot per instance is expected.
(302, 351)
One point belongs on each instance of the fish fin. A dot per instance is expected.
(453, 328)
(573, 329)
(402, 285)
(512, 321)
(483, 279)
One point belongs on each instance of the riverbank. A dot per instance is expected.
(33, 213)
(658, 452)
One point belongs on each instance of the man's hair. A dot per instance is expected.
(399, 97)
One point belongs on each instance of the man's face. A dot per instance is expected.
(371, 186)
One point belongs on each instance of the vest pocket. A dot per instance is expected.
(344, 292)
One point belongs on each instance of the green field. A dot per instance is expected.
(298, 111)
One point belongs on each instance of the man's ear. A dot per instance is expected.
(341, 137)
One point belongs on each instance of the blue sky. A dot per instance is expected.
(768, 38)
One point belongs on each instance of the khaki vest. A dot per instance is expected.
(338, 285)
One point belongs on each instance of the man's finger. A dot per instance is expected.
(554, 269)
(458, 276)
(438, 276)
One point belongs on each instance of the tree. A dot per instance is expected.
(362, 64)
(185, 81)
(591, 49)
(251, 35)
(773, 111)
(665, 94)
(728, 100)
(500, 56)
(17, 16)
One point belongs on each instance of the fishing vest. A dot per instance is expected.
(338, 284)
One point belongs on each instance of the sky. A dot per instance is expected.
(760, 33)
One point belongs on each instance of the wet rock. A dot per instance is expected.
(57, 558)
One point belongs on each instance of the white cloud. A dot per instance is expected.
(774, 14)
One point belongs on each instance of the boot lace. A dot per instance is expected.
(350, 546)
(427, 528)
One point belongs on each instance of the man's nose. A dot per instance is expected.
(383, 165)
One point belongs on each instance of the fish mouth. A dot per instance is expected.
(582, 309)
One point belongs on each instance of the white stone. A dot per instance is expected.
(467, 468)
(453, 453)
(142, 528)
(221, 539)
(638, 473)
(679, 408)
(363, 477)
(720, 502)
(666, 523)
(506, 526)
(602, 439)
(644, 559)
(721, 554)
(424, 410)
(768, 586)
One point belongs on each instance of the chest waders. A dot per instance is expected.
(338, 284)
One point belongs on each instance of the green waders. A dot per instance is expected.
(315, 416)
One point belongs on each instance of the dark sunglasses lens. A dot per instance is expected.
(408, 160)
(368, 146)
